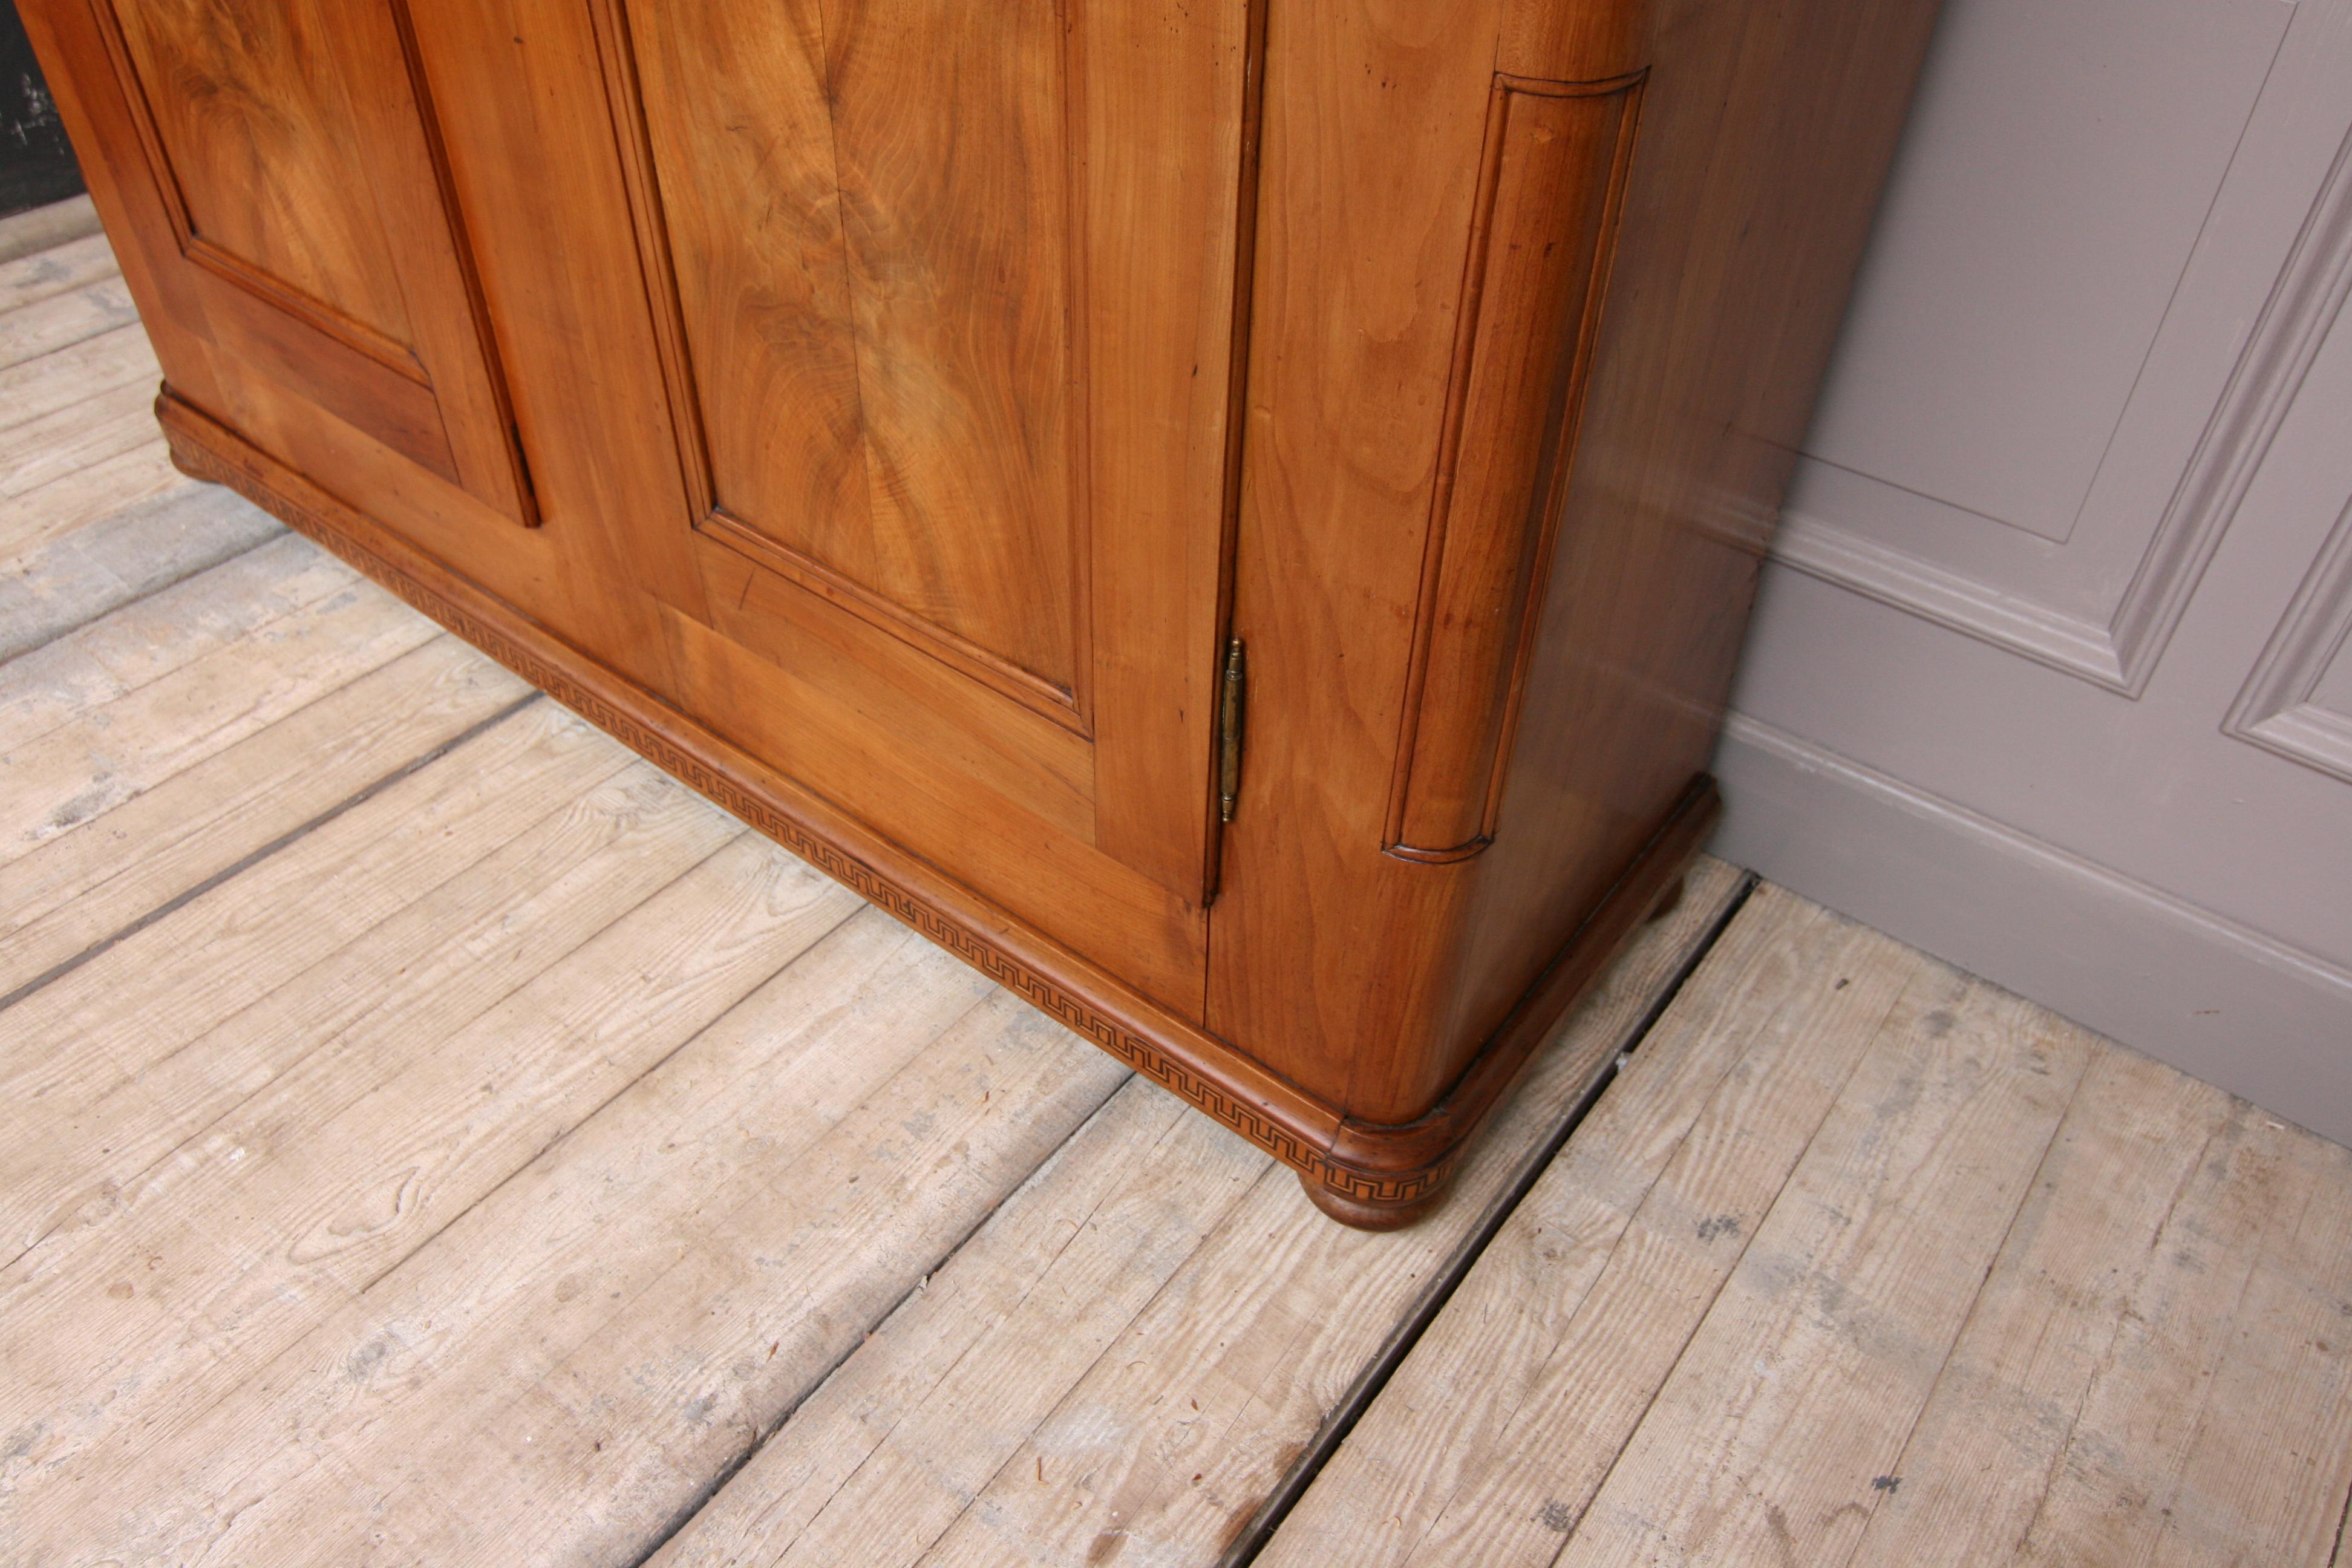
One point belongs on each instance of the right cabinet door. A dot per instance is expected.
(947, 295)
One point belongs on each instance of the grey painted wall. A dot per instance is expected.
(2051, 671)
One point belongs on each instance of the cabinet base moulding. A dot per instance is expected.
(1373, 1176)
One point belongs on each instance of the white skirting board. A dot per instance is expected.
(2211, 996)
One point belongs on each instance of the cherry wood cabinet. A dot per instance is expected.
(1235, 516)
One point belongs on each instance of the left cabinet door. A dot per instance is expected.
(298, 215)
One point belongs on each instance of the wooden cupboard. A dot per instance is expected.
(1235, 516)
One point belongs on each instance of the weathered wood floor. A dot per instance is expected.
(429, 1136)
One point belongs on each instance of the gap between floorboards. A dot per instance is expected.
(188, 896)
(1254, 1537)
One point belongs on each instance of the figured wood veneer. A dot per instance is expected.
(1375, 1169)
(920, 402)
(296, 167)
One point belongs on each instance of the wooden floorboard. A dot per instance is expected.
(38, 229)
(205, 973)
(77, 442)
(103, 660)
(40, 390)
(55, 321)
(96, 882)
(2066, 1423)
(51, 513)
(1496, 1433)
(116, 749)
(1784, 1419)
(1828, 1281)
(1157, 1347)
(54, 269)
(137, 549)
(429, 1135)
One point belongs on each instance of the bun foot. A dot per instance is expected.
(1353, 1211)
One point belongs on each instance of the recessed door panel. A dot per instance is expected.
(948, 298)
(869, 213)
(262, 139)
(299, 183)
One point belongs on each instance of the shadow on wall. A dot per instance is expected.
(36, 161)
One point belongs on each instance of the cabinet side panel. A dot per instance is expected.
(1592, 683)
(1766, 133)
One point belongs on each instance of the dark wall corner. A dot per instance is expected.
(36, 161)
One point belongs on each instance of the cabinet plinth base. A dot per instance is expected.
(1370, 1175)
(1355, 1212)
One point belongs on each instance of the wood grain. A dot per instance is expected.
(399, 1141)
(114, 750)
(59, 320)
(2214, 1422)
(955, 154)
(116, 653)
(42, 517)
(32, 388)
(1503, 1422)
(292, 187)
(257, 126)
(53, 446)
(1980, 1464)
(734, 106)
(215, 958)
(899, 1442)
(721, 1211)
(1837, 1320)
(963, 402)
(1147, 1384)
(96, 566)
(917, 400)
(115, 869)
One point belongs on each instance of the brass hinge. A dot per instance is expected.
(1233, 705)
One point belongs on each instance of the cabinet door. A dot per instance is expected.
(297, 218)
(949, 306)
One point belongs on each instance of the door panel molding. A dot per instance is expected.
(1555, 165)
(241, 271)
(2278, 710)
(843, 437)
(1001, 674)
(423, 378)
(1129, 127)
(2120, 651)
